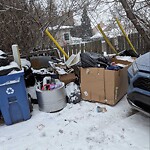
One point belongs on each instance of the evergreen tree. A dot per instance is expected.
(85, 25)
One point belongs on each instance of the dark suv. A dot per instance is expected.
(138, 94)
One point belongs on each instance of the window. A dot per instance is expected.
(66, 36)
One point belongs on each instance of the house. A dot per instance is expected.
(63, 32)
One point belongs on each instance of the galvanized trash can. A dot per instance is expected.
(51, 100)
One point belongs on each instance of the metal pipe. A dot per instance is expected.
(56, 43)
(106, 39)
(128, 40)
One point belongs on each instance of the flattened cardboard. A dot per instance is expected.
(116, 88)
(67, 78)
(89, 87)
(109, 86)
(120, 61)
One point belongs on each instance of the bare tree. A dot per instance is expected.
(24, 21)
(142, 25)
(21, 22)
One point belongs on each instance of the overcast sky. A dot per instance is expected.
(101, 13)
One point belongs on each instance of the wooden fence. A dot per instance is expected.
(100, 46)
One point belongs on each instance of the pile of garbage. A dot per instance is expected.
(51, 77)
(73, 93)
(95, 60)
(7, 66)
(49, 83)
(59, 83)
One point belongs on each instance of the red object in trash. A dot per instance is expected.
(46, 87)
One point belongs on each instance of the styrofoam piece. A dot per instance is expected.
(73, 59)
(16, 54)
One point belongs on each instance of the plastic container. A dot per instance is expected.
(14, 104)
(51, 100)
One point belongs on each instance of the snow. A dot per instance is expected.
(97, 35)
(25, 62)
(75, 40)
(1, 52)
(79, 127)
(11, 65)
(113, 33)
(73, 92)
(1, 57)
(61, 27)
(83, 126)
(41, 71)
(121, 65)
(60, 71)
(125, 58)
(71, 88)
(32, 91)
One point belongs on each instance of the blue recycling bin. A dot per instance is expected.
(14, 104)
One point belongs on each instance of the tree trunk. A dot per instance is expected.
(134, 20)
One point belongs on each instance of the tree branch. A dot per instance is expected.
(135, 21)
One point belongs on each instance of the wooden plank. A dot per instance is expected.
(119, 43)
(87, 47)
(74, 49)
(140, 47)
(82, 47)
(93, 46)
(126, 44)
(134, 40)
(98, 46)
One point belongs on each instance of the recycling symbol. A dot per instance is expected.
(10, 90)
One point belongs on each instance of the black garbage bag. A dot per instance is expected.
(91, 59)
(129, 52)
(7, 71)
(4, 62)
(3, 54)
(6, 66)
(29, 77)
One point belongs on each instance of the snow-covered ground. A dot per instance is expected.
(80, 127)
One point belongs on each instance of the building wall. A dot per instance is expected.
(60, 36)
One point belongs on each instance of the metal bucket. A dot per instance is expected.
(52, 100)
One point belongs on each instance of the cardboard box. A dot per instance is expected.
(67, 78)
(105, 86)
